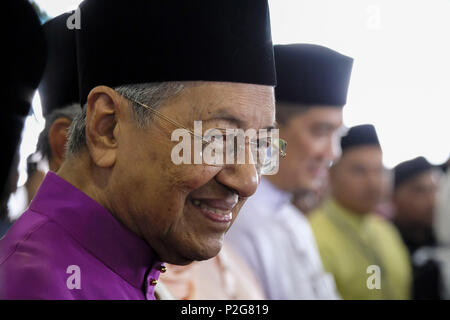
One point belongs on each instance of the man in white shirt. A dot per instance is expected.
(271, 234)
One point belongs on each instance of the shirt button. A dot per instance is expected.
(163, 269)
(153, 282)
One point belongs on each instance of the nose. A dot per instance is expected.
(242, 178)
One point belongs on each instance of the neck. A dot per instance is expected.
(96, 182)
(349, 207)
(79, 171)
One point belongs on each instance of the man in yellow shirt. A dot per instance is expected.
(363, 251)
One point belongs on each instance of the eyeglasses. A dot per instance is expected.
(220, 147)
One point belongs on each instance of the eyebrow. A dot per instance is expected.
(325, 125)
(225, 115)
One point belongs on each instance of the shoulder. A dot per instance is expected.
(32, 280)
(33, 235)
(30, 262)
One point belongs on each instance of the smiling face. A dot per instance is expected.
(183, 211)
(312, 143)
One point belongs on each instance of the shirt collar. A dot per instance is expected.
(96, 230)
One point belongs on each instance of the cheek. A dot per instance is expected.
(351, 184)
(420, 203)
(405, 202)
(320, 147)
(179, 181)
(171, 193)
(312, 147)
(188, 178)
(297, 155)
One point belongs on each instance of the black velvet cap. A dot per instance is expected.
(309, 74)
(362, 135)
(59, 84)
(409, 169)
(139, 41)
(23, 61)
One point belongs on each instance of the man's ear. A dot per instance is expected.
(103, 105)
(57, 138)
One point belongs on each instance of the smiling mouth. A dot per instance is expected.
(220, 215)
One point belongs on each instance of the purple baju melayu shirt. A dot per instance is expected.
(67, 246)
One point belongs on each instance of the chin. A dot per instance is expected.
(307, 184)
(314, 184)
(366, 210)
(188, 254)
(208, 253)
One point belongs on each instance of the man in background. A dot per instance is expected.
(414, 201)
(362, 250)
(272, 235)
(22, 66)
(441, 226)
(58, 91)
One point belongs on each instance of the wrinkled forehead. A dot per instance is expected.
(237, 105)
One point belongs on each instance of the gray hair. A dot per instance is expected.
(151, 94)
(69, 112)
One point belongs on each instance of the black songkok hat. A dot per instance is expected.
(358, 136)
(309, 74)
(59, 84)
(410, 169)
(23, 62)
(140, 41)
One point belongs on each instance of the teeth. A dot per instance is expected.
(203, 206)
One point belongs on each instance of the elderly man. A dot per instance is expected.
(363, 251)
(227, 276)
(272, 235)
(119, 206)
